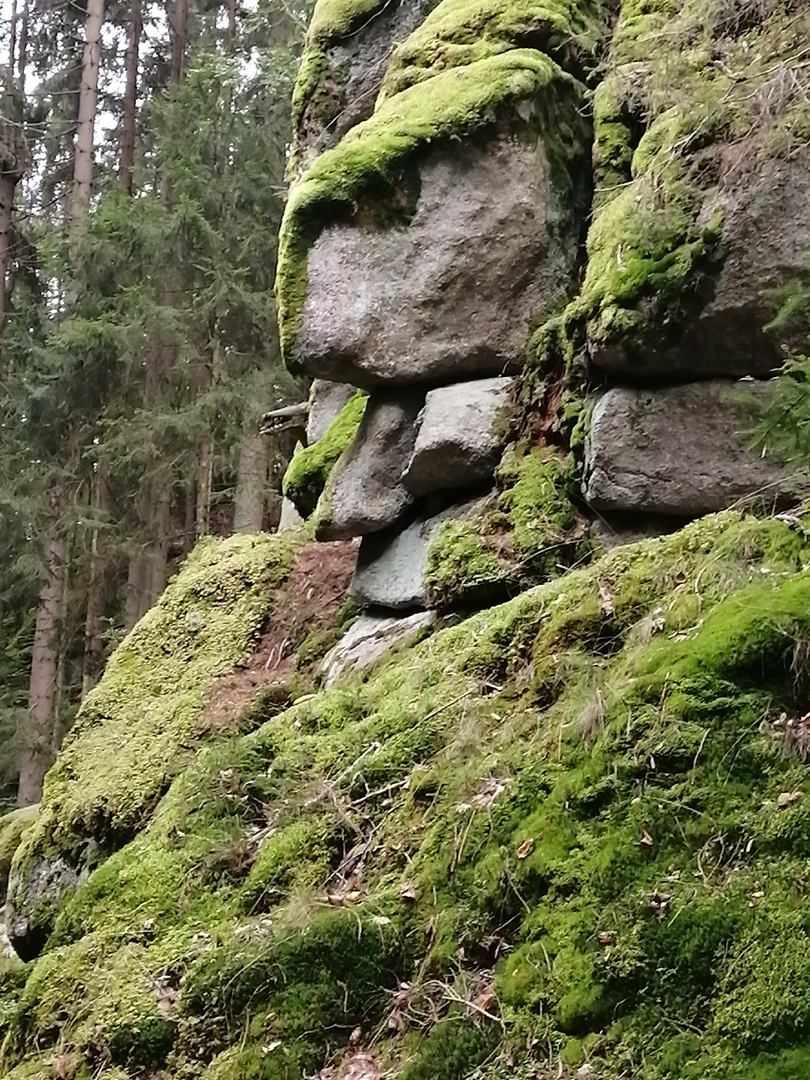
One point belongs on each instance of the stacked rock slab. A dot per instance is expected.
(455, 210)
(690, 245)
(428, 231)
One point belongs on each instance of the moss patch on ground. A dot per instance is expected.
(309, 470)
(571, 829)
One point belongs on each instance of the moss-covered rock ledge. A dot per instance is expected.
(571, 830)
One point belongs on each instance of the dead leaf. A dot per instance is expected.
(605, 598)
(525, 848)
(646, 839)
(606, 937)
(408, 890)
(787, 798)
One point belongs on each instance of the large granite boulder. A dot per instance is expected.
(683, 450)
(763, 230)
(392, 568)
(461, 433)
(491, 244)
(364, 492)
(326, 402)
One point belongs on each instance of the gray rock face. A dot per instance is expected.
(290, 518)
(355, 66)
(392, 569)
(491, 245)
(326, 402)
(369, 638)
(460, 434)
(365, 492)
(34, 897)
(681, 450)
(766, 237)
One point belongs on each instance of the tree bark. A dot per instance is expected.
(204, 480)
(251, 477)
(37, 752)
(7, 185)
(178, 29)
(88, 104)
(22, 52)
(12, 40)
(130, 99)
(94, 617)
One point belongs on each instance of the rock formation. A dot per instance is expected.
(460, 233)
(548, 814)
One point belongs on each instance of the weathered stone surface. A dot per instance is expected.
(491, 245)
(34, 895)
(765, 240)
(350, 72)
(326, 402)
(460, 434)
(290, 518)
(365, 493)
(392, 568)
(369, 638)
(683, 450)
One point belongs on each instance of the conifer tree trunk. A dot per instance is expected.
(251, 476)
(42, 696)
(7, 185)
(94, 617)
(45, 660)
(88, 105)
(130, 99)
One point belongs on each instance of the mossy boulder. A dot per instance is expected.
(143, 722)
(572, 827)
(528, 531)
(700, 195)
(392, 196)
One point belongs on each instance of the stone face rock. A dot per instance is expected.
(365, 492)
(460, 434)
(392, 569)
(369, 638)
(491, 245)
(326, 402)
(682, 450)
(765, 240)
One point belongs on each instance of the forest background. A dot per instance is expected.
(143, 146)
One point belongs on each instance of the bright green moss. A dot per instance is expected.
(139, 727)
(563, 810)
(309, 469)
(460, 32)
(527, 533)
(13, 827)
(453, 104)
(459, 564)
